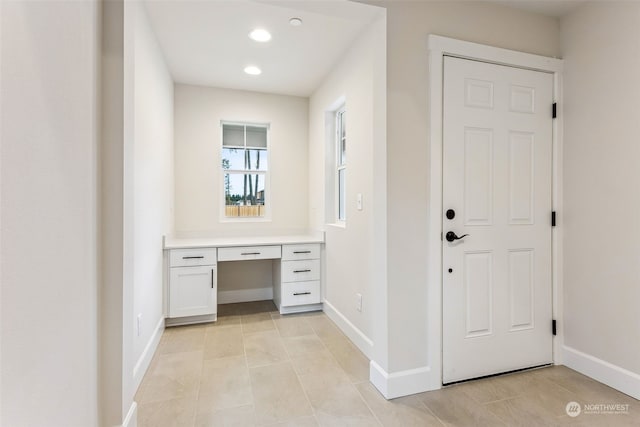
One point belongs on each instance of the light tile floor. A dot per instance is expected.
(255, 367)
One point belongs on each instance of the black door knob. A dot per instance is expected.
(451, 236)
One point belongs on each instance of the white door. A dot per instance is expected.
(497, 157)
(192, 291)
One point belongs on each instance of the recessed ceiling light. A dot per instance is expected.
(260, 35)
(253, 70)
(296, 22)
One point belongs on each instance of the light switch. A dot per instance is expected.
(359, 201)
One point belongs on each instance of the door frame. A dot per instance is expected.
(438, 48)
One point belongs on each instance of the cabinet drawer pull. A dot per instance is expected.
(301, 293)
(301, 252)
(212, 273)
(193, 257)
(250, 253)
(302, 271)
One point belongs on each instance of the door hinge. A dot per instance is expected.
(553, 218)
(553, 327)
(554, 110)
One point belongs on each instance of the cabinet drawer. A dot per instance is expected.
(295, 252)
(192, 257)
(300, 293)
(297, 271)
(249, 252)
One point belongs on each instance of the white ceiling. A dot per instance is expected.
(206, 42)
(554, 8)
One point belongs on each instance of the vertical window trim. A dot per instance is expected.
(340, 113)
(223, 218)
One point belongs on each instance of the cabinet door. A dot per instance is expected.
(192, 291)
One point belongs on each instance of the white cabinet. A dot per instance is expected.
(297, 279)
(192, 282)
(192, 277)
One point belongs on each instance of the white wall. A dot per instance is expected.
(153, 186)
(350, 249)
(408, 25)
(601, 49)
(115, 213)
(49, 56)
(198, 186)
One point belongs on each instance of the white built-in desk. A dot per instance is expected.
(192, 273)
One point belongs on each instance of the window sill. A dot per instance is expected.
(243, 220)
(341, 224)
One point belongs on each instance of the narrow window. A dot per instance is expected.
(245, 169)
(341, 163)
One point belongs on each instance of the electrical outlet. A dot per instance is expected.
(139, 322)
(359, 302)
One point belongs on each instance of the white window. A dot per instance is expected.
(341, 163)
(245, 170)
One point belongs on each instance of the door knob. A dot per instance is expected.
(451, 236)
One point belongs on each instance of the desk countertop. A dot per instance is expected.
(221, 242)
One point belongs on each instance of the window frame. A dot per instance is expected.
(340, 165)
(266, 217)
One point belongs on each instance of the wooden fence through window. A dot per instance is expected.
(244, 211)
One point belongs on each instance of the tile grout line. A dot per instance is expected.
(501, 419)
(576, 394)
(315, 333)
(197, 395)
(246, 363)
(375, 417)
(432, 413)
(252, 404)
(313, 409)
(155, 360)
(333, 355)
(313, 412)
(504, 399)
(306, 396)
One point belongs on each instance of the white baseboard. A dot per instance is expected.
(189, 320)
(301, 308)
(131, 420)
(614, 376)
(145, 358)
(403, 383)
(245, 295)
(356, 336)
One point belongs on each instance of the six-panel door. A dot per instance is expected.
(497, 147)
